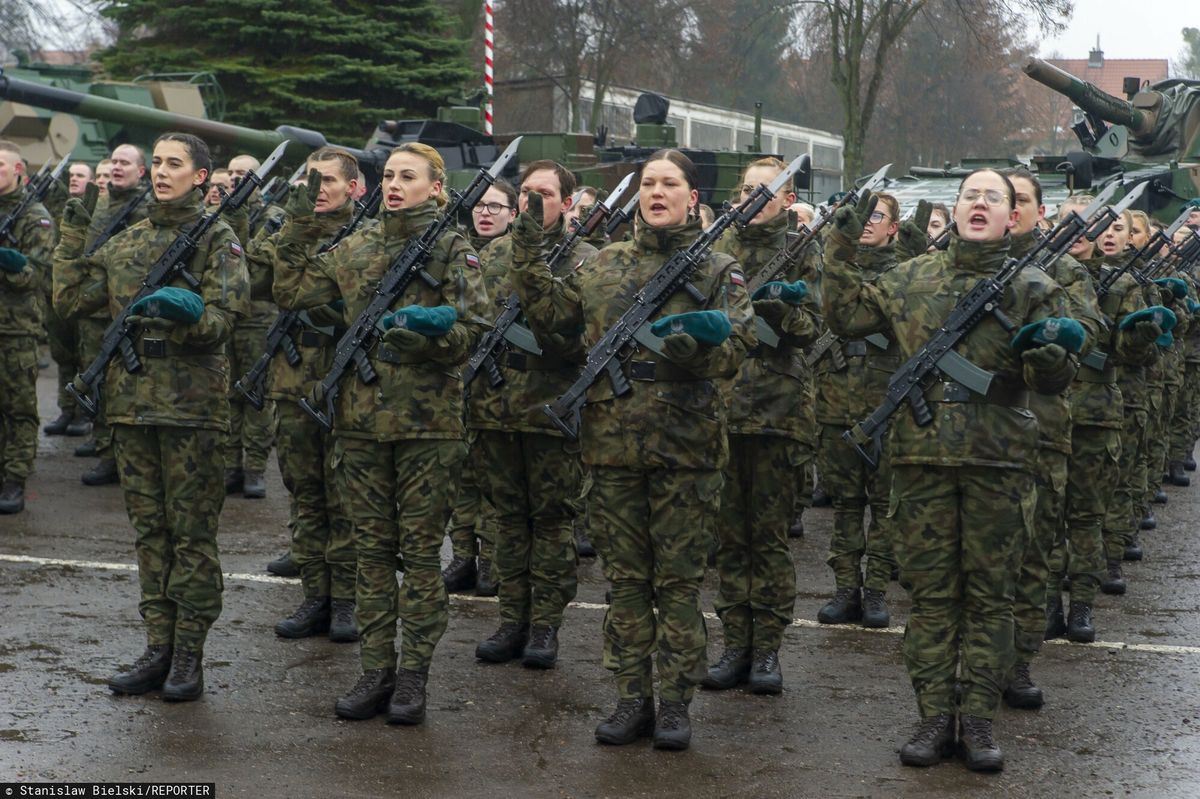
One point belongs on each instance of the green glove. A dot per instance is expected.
(76, 214)
(680, 347)
(707, 327)
(791, 293)
(419, 319)
(1045, 358)
(150, 322)
(912, 238)
(406, 341)
(1176, 286)
(1063, 331)
(850, 221)
(527, 229)
(1156, 319)
(178, 305)
(12, 261)
(1148, 330)
(303, 204)
(771, 311)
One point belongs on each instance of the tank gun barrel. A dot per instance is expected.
(1091, 99)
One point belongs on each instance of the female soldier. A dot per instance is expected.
(398, 442)
(168, 417)
(493, 214)
(656, 452)
(772, 438)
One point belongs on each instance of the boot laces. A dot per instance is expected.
(366, 683)
(979, 730)
(183, 660)
(507, 630)
(872, 599)
(306, 608)
(541, 637)
(766, 662)
(671, 715)
(730, 658)
(929, 729)
(146, 658)
(408, 684)
(626, 709)
(1021, 676)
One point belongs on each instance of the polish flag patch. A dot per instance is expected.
(472, 260)
(235, 248)
(737, 278)
(44, 222)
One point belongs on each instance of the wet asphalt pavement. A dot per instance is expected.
(1122, 718)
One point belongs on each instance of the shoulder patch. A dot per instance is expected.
(472, 260)
(44, 222)
(737, 278)
(235, 248)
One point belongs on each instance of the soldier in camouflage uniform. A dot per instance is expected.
(399, 442)
(322, 542)
(24, 269)
(654, 454)
(531, 475)
(852, 378)
(771, 439)
(168, 416)
(962, 486)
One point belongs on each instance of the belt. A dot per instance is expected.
(523, 362)
(313, 338)
(388, 355)
(156, 347)
(651, 371)
(855, 349)
(998, 394)
(1096, 368)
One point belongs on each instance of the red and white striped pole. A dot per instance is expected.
(489, 40)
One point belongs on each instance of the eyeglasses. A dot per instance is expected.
(493, 209)
(990, 196)
(877, 217)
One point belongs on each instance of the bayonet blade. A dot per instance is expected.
(1179, 222)
(58, 170)
(272, 160)
(879, 176)
(618, 192)
(501, 163)
(1102, 199)
(784, 178)
(1130, 198)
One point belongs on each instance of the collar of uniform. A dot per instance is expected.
(330, 221)
(876, 259)
(664, 239)
(405, 223)
(1022, 244)
(121, 196)
(769, 233)
(979, 256)
(11, 199)
(179, 211)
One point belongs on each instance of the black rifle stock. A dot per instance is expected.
(118, 222)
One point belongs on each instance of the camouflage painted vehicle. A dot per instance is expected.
(1153, 137)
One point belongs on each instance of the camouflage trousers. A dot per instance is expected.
(1029, 599)
(1181, 429)
(959, 536)
(64, 349)
(757, 590)
(1092, 474)
(1123, 510)
(532, 481)
(251, 431)
(1158, 441)
(171, 477)
(322, 539)
(654, 527)
(853, 485)
(18, 406)
(91, 335)
(1191, 394)
(398, 494)
(472, 518)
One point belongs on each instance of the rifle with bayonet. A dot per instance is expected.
(506, 329)
(623, 215)
(171, 264)
(275, 193)
(118, 222)
(1143, 277)
(938, 355)
(408, 266)
(280, 334)
(36, 191)
(633, 325)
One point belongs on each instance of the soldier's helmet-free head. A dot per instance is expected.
(761, 173)
(181, 164)
(1028, 196)
(882, 224)
(669, 190)
(126, 166)
(1115, 238)
(939, 220)
(414, 173)
(339, 177)
(985, 207)
(495, 211)
(12, 168)
(553, 181)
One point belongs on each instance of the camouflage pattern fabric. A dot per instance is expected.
(1123, 506)
(251, 431)
(472, 519)
(1092, 473)
(18, 406)
(853, 485)
(64, 350)
(1029, 605)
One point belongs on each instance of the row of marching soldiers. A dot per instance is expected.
(1042, 479)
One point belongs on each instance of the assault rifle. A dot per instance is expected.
(171, 264)
(624, 215)
(274, 194)
(506, 330)
(604, 357)
(409, 265)
(1160, 264)
(1143, 277)
(118, 222)
(35, 192)
(279, 336)
(938, 354)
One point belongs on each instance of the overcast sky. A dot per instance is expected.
(1127, 28)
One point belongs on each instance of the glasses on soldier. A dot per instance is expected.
(990, 196)
(877, 217)
(493, 209)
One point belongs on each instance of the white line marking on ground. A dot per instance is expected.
(1158, 649)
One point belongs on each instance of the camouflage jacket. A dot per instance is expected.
(846, 395)
(414, 398)
(530, 381)
(1132, 356)
(772, 391)
(262, 310)
(317, 331)
(909, 304)
(184, 377)
(33, 235)
(108, 207)
(678, 419)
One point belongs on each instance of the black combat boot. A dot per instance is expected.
(583, 545)
(845, 607)
(59, 426)
(796, 528)
(102, 474)
(633, 719)
(284, 566)
(766, 677)
(1021, 692)
(12, 496)
(87, 449)
(1133, 550)
(1160, 496)
(147, 673)
(311, 618)
(1113, 582)
(1176, 476)
(979, 749)
(342, 627)
(932, 741)
(459, 575)
(1189, 464)
(254, 485)
(235, 479)
(672, 728)
(79, 426)
(1056, 622)
(731, 670)
(408, 699)
(1149, 521)
(874, 609)
(1079, 623)
(369, 696)
(541, 652)
(185, 682)
(485, 583)
(505, 644)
